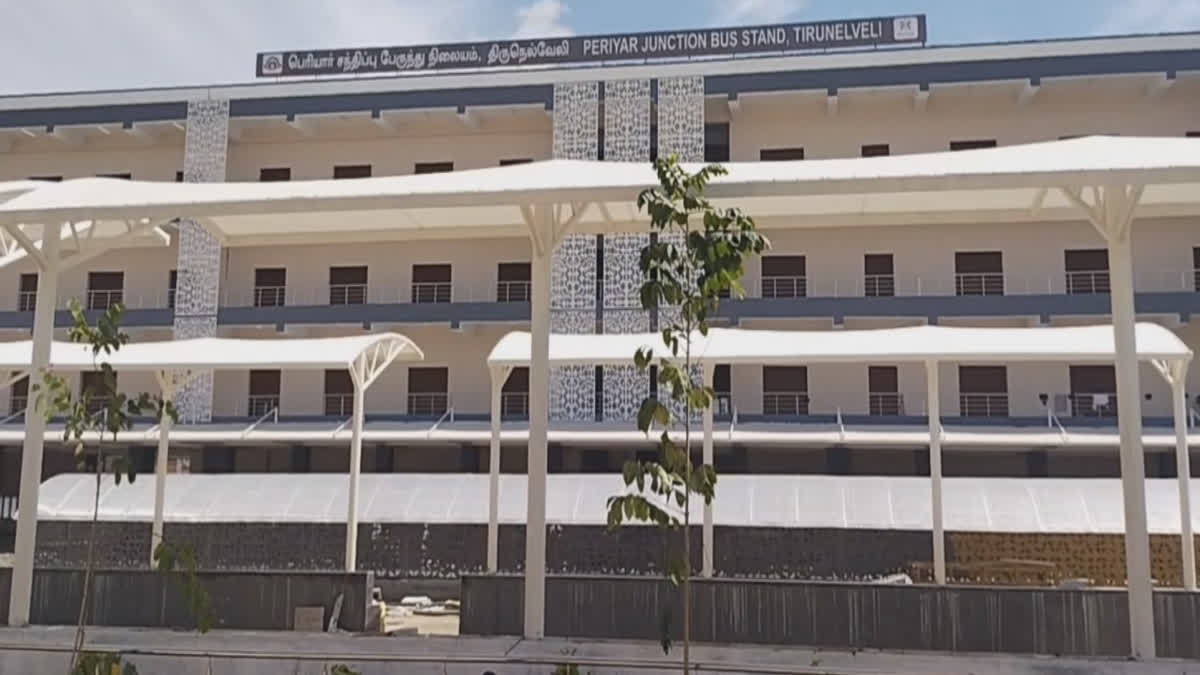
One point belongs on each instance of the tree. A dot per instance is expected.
(687, 267)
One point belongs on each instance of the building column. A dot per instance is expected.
(206, 148)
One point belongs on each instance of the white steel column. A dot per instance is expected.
(539, 409)
(160, 479)
(933, 406)
(493, 531)
(355, 471)
(1184, 471)
(35, 432)
(706, 569)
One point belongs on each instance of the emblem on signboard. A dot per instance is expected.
(272, 64)
(906, 28)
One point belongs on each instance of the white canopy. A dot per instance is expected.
(220, 353)
(914, 343)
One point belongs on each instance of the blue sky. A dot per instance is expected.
(72, 45)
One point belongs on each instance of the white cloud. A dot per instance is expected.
(542, 18)
(756, 11)
(1151, 16)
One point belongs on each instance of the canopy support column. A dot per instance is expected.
(169, 383)
(35, 432)
(935, 471)
(1110, 210)
(499, 375)
(356, 429)
(1184, 472)
(706, 569)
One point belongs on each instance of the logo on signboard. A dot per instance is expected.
(272, 64)
(906, 28)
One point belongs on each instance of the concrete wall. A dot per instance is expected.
(150, 599)
(838, 615)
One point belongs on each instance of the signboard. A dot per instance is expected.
(900, 30)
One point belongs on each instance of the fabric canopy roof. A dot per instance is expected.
(914, 343)
(1008, 184)
(217, 353)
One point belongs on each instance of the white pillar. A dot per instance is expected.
(1129, 423)
(539, 415)
(706, 569)
(935, 472)
(355, 470)
(493, 531)
(160, 481)
(35, 432)
(1184, 469)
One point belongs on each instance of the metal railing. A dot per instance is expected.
(259, 405)
(432, 291)
(885, 404)
(785, 403)
(1093, 405)
(983, 405)
(26, 301)
(171, 298)
(269, 296)
(347, 294)
(1086, 283)
(428, 404)
(879, 285)
(723, 404)
(514, 404)
(1196, 280)
(103, 299)
(979, 283)
(785, 287)
(512, 291)
(339, 405)
(17, 404)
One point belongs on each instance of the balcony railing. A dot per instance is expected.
(26, 301)
(347, 294)
(723, 404)
(791, 403)
(879, 285)
(784, 287)
(103, 299)
(269, 296)
(983, 405)
(983, 283)
(17, 404)
(885, 404)
(428, 404)
(1196, 280)
(1093, 405)
(514, 404)
(339, 405)
(171, 298)
(1085, 283)
(432, 291)
(512, 291)
(258, 405)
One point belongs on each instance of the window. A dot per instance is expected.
(385, 459)
(978, 144)
(780, 154)
(879, 279)
(514, 162)
(339, 393)
(277, 174)
(301, 459)
(883, 391)
(427, 391)
(178, 176)
(785, 390)
(18, 399)
(172, 284)
(105, 289)
(270, 286)
(264, 392)
(348, 285)
(783, 276)
(716, 142)
(979, 273)
(514, 395)
(1093, 391)
(431, 283)
(48, 179)
(512, 282)
(122, 176)
(352, 171)
(983, 391)
(723, 388)
(876, 150)
(27, 292)
(1087, 271)
(1195, 268)
(433, 167)
(92, 385)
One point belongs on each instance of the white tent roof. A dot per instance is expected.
(1009, 184)
(217, 353)
(914, 343)
(1073, 505)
